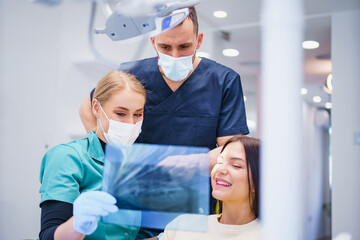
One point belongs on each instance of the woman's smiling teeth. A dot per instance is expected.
(223, 183)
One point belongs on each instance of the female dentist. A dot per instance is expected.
(71, 174)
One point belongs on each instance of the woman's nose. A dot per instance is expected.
(130, 120)
(133, 120)
(223, 170)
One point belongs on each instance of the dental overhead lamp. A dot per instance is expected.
(132, 18)
(120, 26)
(128, 19)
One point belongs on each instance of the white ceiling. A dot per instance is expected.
(243, 25)
(244, 28)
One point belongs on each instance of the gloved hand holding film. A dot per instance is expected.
(89, 207)
(160, 181)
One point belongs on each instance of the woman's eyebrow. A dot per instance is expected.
(237, 159)
(123, 108)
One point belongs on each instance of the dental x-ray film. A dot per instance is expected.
(153, 184)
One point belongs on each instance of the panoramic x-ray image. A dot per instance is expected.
(153, 184)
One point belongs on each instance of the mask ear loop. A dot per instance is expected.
(100, 120)
(103, 111)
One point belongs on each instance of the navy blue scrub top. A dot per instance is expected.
(209, 104)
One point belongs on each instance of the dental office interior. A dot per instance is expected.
(299, 66)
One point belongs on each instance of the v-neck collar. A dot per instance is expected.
(95, 149)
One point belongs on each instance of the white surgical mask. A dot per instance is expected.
(175, 69)
(120, 133)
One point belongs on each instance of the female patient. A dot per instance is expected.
(71, 174)
(235, 181)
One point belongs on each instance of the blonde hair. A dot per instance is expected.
(116, 81)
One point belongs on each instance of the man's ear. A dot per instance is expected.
(152, 39)
(199, 40)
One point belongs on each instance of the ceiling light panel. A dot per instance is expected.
(230, 52)
(304, 91)
(328, 105)
(220, 14)
(316, 99)
(310, 44)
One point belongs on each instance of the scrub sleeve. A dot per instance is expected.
(70, 169)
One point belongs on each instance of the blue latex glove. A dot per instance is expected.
(89, 207)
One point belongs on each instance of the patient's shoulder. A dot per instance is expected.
(189, 222)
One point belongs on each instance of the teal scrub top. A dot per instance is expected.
(70, 169)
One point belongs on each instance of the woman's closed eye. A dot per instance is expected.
(237, 163)
(121, 114)
(237, 166)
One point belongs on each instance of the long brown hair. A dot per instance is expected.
(252, 152)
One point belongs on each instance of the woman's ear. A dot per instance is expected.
(95, 107)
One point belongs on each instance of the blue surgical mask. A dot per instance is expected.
(175, 69)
